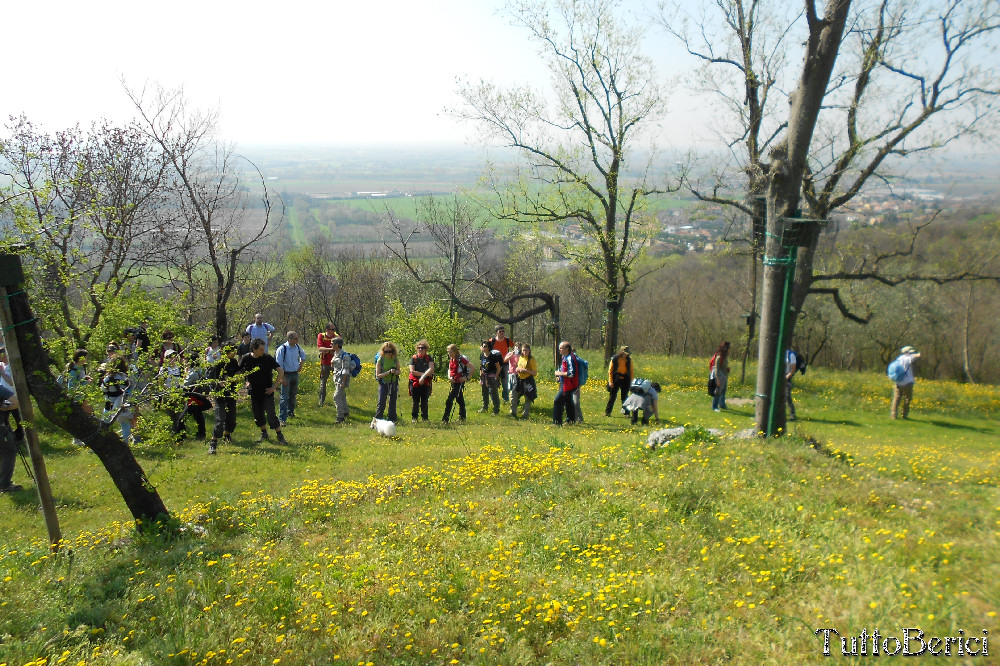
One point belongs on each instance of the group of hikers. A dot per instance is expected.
(185, 384)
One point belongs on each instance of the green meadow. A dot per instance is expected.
(502, 541)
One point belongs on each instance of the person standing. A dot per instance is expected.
(213, 353)
(568, 383)
(902, 394)
(114, 385)
(459, 370)
(290, 357)
(791, 366)
(167, 344)
(501, 343)
(527, 368)
(196, 403)
(490, 361)
(8, 445)
(387, 373)
(342, 364)
(261, 330)
(620, 377)
(223, 373)
(171, 384)
(244, 347)
(718, 368)
(324, 345)
(574, 395)
(260, 367)
(420, 378)
(512, 357)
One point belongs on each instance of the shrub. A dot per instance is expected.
(432, 322)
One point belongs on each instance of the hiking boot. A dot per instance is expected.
(227, 439)
(212, 447)
(281, 438)
(263, 437)
(12, 488)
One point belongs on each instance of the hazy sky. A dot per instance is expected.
(294, 71)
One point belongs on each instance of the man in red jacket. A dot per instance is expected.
(568, 382)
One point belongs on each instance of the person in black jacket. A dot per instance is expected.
(261, 385)
(224, 373)
(490, 361)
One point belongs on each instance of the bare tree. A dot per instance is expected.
(222, 221)
(87, 209)
(584, 143)
(911, 78)
(465, 264)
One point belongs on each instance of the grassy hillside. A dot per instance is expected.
(500, 541)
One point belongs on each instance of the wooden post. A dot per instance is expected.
(28, 417)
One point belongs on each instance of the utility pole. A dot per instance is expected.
(11, 282)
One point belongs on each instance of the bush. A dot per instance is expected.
(432, 322)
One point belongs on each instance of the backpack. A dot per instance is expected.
(800, 363)
(896, 371)
(464, 366)
(582, 369)
(355, 364)
(640, 386)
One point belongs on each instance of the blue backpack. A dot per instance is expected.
(896, 371)
(355, 364)
(582, 368)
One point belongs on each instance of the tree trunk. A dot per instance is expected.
(611, 338)
(785, 174)
(969, 306)
(139, 494)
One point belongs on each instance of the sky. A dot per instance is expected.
(298, 71)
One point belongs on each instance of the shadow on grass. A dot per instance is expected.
(843, 422)
(951, 425)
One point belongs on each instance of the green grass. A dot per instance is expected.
(498, 541)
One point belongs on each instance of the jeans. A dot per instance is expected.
(788, 398)
(455, 396)
(489, 386)
(387, 391)
(225, 417)
(502, 376)
(289, 394)
(563, 401)
(575, 398)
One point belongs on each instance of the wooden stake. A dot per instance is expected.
(28, 418)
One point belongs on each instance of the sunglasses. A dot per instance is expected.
(421, 347)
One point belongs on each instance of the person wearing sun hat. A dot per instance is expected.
(902, 394)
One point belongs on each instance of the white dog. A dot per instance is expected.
(384, 428)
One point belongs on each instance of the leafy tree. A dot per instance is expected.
(432, 322)
(88, 217)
